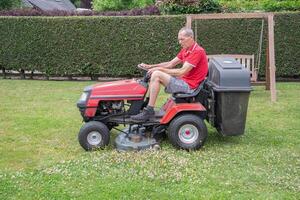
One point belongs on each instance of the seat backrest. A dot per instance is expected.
(194, 94)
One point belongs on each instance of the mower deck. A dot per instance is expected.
(124, 142)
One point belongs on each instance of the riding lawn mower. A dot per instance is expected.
(221, 99)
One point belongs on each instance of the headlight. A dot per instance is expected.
(83, 96)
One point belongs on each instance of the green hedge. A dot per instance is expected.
(110, 46)
(113, 46)
(287, 45)
(241, 36)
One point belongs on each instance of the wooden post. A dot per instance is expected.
(31, 75)
(271, 55)
(22, 74)
(4, 73)
(188, 21)
(267, 74)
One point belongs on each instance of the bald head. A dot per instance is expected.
(186, 37)
(187, 32)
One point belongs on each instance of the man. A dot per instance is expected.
(179, 80)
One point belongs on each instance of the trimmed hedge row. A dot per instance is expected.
(287, 45)
(113, 46)
(108, 46)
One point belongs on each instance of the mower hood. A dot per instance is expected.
(124, 89)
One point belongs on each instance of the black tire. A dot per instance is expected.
(93, 135)
(187, 131)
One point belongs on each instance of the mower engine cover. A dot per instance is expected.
(111, 91)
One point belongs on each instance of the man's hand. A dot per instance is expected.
(150, 71)
(142, 67)
(146, 66)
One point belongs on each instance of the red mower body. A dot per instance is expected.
(125, 89)
(113, 91)
(172, 109)
(132, 90)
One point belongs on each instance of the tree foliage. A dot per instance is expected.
(109, 5)
(9, 4)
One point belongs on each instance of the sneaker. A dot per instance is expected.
(145, 115)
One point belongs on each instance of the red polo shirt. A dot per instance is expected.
(196, 56)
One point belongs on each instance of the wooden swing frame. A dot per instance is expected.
(270, 55)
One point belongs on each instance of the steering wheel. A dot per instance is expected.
(146, 76)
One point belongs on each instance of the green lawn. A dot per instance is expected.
(42, 159)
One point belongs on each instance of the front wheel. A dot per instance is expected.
(93, 135)
(187, 131)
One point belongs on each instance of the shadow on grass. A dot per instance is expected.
(213, 139)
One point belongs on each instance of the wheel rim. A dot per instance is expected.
(188, 133)
(94, 138)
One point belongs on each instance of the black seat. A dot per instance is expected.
(186, 95)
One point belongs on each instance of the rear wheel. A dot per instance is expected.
(93, 135)
(187, 132)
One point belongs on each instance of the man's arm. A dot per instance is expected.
(178, 72)
(169, 64)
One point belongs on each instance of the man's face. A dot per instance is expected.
(184, 41)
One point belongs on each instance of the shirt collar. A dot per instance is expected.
(191, 48)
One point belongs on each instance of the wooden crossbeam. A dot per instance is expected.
(230, 16)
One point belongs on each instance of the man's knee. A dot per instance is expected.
(156, 75)
(160, 76)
